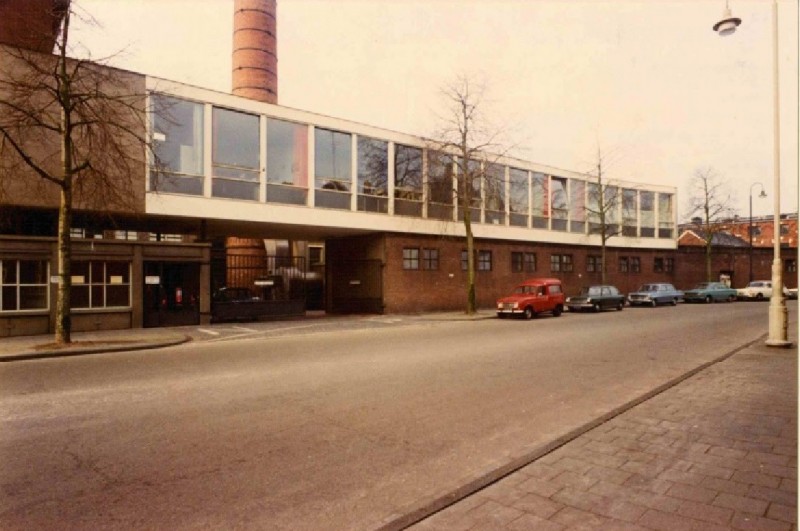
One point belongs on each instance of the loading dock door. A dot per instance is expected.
(356, 286)
(171, 294)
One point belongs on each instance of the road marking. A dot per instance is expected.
(243, 328)
(206, 331)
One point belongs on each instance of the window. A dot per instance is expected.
(784, 229)
(287, 162)
(373, 175)
(540, 196)
(430, 259)
(98, 284)
(629, 212)
(561, 263)
(23, 285)
(495, 188)
(593, 264)
(517, 262)
(559, 202)
(636, 264)
(178, 146)
(530, 262)
(647, 213)
(791, 265)
(332, 168)
(464, 264)
(658, 265)
(623, 264)
(410, 258)
(577, 206)
(407, 180)
(755, 230)
(665, 213)
(440, 186)
(669, 265)
(470, 184)
(235, 154)
(484, 260)
(518, 190)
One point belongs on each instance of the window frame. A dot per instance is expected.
(411, 259)
(18, 285)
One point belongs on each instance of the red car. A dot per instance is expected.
(532, 297)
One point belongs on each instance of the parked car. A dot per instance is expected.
(654, 294)
(710, 292)
(532, 297)
(596, 298)
(235, 303)
(758, 290)
(791, 293)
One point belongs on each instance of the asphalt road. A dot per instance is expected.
(335, 425)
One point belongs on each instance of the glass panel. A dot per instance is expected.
(235, 189)
(118, 296)
(287, 154)
(9, 298)
(495, 191)
(235, 139)
(629, 220)
(407, 173)
(665, 222)
(79, 296)
(558, 203)
(9, 272)
(176, 184)
(647, 213)
(332, 151)
(97, 272)
(117, 272)
(332, 199)
(577, 206)
(440, 178)
(178, 135)
(80, 269)
(33, 297)
(33, 272)
(540, 204)
(373, 166)
(97, 296)
(518, 190)
(291, 195)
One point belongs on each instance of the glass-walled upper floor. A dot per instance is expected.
(212, 151)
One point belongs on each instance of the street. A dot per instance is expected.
(338, 424)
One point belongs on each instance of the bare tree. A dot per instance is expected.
(76, 128)
(602, 209)
(710, 201)
(468, 143)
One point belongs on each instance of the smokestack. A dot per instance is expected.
(255, 50)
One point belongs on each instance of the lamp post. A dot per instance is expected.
(778, 320)
(762, 195)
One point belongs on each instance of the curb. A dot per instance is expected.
(418, 512)
(92, 350)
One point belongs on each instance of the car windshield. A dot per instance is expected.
(649, 287)
(592, 291)
(703, 285)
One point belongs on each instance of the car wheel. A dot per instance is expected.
(732, 298)
(708, 299)
(620, 306)
(528, 313)
(557, 310)
(595, 307)
(759, 296)
(653, 303)
(501, 315)
(675, 301)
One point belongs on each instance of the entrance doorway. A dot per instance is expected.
(171, 294)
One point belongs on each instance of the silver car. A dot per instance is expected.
(655, 294)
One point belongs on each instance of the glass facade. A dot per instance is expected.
(352, 172)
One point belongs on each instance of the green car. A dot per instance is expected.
(596, 298)
(710, 292)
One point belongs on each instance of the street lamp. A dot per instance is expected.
(778, 321)
(762, 195)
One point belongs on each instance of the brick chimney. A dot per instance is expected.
(255, 50)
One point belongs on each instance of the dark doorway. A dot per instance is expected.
(171, 294)
(356, 286)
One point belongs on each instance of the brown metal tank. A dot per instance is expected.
(255, 50)
(31, 24)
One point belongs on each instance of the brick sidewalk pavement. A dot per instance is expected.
(717, 451)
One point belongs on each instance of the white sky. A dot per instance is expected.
(648, 80)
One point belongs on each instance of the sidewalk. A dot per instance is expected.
(715, 451)
(37, 347)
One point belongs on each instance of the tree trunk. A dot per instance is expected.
(603, 258)
(63, 307)
(471, 302)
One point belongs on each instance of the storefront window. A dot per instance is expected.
(178, 146)
(235, 154)
(23, 285)
(287, 162)
(98, 284)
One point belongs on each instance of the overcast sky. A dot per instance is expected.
(649, 81)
